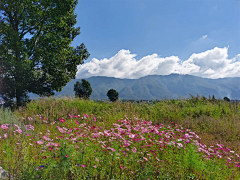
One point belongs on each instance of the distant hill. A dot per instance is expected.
(157, 87)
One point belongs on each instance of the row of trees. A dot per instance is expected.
(84, 90)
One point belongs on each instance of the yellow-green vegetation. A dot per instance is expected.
(70, 138)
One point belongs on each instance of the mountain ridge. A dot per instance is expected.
(157, 87)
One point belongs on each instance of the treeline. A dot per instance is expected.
(84, 90)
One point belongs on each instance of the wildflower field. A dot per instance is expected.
(67, 138)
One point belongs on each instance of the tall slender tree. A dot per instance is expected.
(46, 61)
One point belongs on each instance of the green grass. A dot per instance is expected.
(196, 138)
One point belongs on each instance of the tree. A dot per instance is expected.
(112, 95)
(46, 61)
(226, 99)
(213, 98)
(83, 90)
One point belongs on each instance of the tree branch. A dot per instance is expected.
(11, 19)
(41, 26)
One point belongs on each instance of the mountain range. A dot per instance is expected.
(157, 87)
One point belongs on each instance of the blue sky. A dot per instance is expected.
(135, 38)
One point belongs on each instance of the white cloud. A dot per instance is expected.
(212, 63)
(204, 37)
(209, 71)
(201, 42)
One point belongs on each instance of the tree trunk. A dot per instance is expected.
(18, 63)
(2, 90)
(18, 95)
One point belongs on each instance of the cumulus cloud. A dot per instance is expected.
(212, 63)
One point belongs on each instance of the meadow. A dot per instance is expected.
(68, 138)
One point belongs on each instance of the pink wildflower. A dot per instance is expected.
(40, 142)
(145, 158)
(5, 126)
(85, 115)
(134, 150)
(19, 130)
(29, 127)
(61, 120)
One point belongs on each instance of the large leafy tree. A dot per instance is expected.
(46, 61)
(83, 90)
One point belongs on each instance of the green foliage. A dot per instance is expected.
(83, 90)
(213, 98)
(112, 95)
(69, 160)
(45, 62)
(7, 117)
(210, 119)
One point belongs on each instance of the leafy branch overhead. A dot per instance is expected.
(46, 61)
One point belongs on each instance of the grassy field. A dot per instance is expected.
(70, 138)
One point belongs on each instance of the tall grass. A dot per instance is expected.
(67, 138)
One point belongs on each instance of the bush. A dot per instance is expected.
(112, 95)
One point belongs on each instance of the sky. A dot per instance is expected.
(135, 38)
